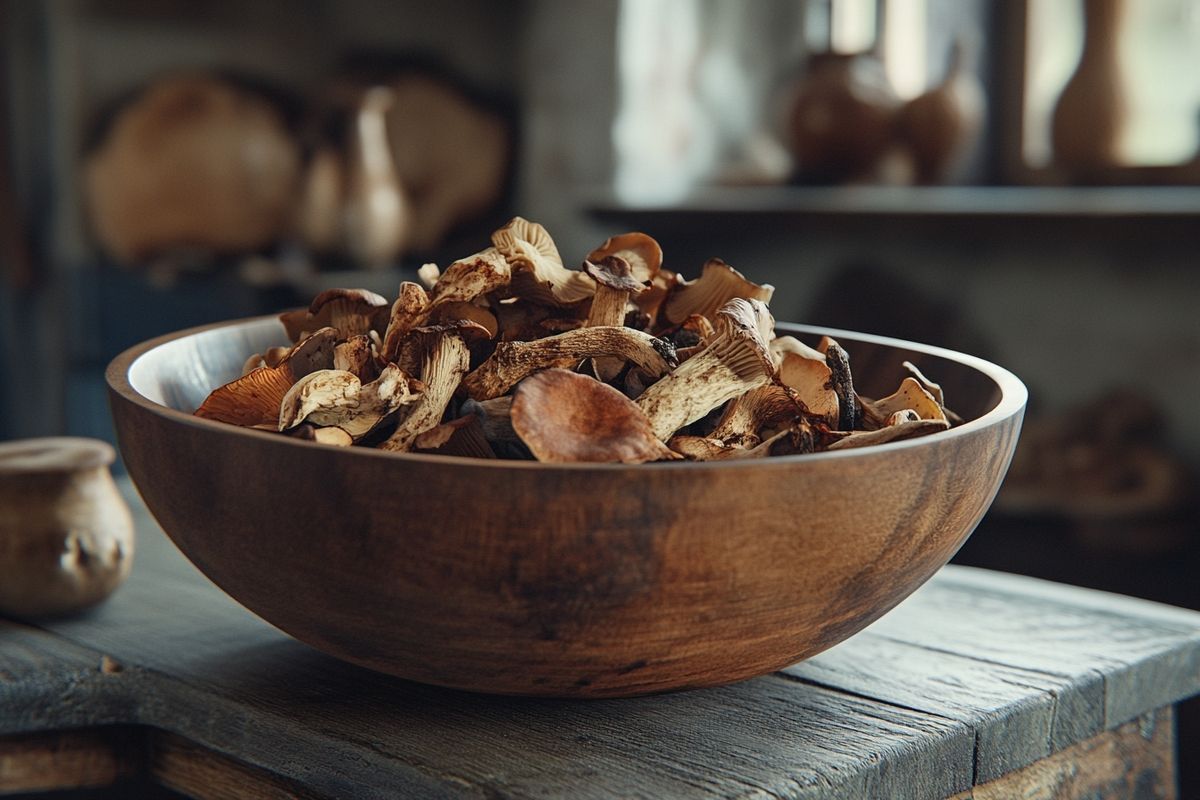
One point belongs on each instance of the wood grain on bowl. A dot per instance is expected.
(566, 580)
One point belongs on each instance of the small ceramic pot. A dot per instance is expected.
(66, 535)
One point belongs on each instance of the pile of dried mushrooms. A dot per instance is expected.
(510, 354)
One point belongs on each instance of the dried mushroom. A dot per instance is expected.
(620, 361)
(538, 273)
(640, 251)
(717, 285)
(735, 362)
(565, 417)
(513, 361)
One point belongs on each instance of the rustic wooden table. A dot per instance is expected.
(982, 685)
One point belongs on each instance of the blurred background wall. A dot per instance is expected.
(1015, 179)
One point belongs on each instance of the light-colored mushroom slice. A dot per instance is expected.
(417, 344)
(471, 277)
(350, 311)
(411, 310)
(538, 273)
(805, 370)
(338, 398)
(641, 252)
(910, 396)
(445, 362)
(495, 417)
(768, 407)
(513, 361)
(329, 435)
(704, 448)
(735, 362)
(356, 355)
(934, 389)
(564, 417)
(253, 399)
(449, 312)
(718, 284)
(428, 275)
(319, 395)
(891, 433)
(615, 284)
(458, 437)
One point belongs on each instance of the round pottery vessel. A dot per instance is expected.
(66, 536)
(560, 580)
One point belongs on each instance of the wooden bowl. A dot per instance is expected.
(562, 580)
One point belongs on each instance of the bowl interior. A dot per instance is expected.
(180, 372)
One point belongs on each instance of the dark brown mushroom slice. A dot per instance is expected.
(842, 382)
(459, 437)
(564, 417)
(640, 251)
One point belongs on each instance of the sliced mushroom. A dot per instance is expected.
(338, 398)
(472, 277)
(410, 311)
(650, 302)
(253, 399)
(842, 383)
(446, 361)
(615, 284)
(905, 428)
(640, 251)
(330, 435)
(564, 417)
(356, 355)
(538, 273)
(417, 344)
(806, 371)
(458, 437)
(495, 417)
(428, 275)
(934, 389)
(910, 396)
(718, 284)
(769, 407)
(350, 311)
(467, 311)
(513, 361)
(735, 362)
(271, 357)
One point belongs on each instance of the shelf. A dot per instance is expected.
(939, 202)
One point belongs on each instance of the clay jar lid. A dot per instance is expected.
(54, 455)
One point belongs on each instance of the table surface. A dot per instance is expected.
(976, 675)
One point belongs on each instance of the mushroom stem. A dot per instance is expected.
(768, 407)
(444, 365)
(513, 361)
(703, 382)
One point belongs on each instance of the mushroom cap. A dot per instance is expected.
(420, 341)
(566, 417)
(472, 277)
(640, 250)
(538, 271)
(718, 284)
(615, 273)
(364, 298)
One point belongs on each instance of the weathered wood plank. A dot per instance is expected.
(1011, 710)
(196, 772)
(1135, 761)
(1145, 658)
(68, 759)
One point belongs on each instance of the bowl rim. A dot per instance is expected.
(1013, 397)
